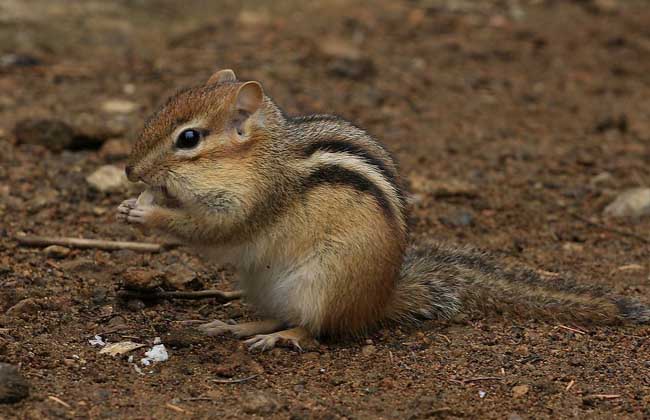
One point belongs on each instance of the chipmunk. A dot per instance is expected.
(311, 212)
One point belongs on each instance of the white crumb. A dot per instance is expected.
(158, 353)
(97, 341)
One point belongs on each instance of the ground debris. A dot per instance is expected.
(13, 386)
(630, 203)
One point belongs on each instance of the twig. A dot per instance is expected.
(220, 295)
(177, 408)
(568, 387)
(235, 381)
(611, 229)
(602, 396)
(91, 243)
(59, 401)
(445, 337)
(575, 330)
(480, 378)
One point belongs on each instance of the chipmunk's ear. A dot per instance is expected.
(249, 99)
(225, 75)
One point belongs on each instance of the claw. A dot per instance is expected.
(261, 343)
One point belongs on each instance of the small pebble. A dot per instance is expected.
(142, 279)
(135, 305)
(13, 386)
(520, 390)
(57, 251)
(54, 134)
(572, 248)
(25, 306)
(630, 204)
(368, 350)
(107, 178)
(115, 149)
(119, 106)
(260, 403)
(458, 218)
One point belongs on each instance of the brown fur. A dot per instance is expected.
(311, 209)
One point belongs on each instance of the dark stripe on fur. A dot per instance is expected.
(337, 175)
(340, 146)
(313, 118)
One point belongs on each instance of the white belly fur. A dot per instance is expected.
(278, 285)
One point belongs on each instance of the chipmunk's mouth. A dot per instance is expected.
(160, 196)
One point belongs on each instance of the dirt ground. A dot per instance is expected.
(532, 115)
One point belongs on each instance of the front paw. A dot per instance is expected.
(130, 211)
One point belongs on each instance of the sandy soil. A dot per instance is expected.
(537, 114)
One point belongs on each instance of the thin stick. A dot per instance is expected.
(220, 295)
(603, 396)
(568, 387)
(575, 330)
(445, 337)
(481, 378)
(234, 381)
(90, 243)
(60, 401)
(611, 229)
(177, 408)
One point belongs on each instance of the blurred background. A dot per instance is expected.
(516, 123)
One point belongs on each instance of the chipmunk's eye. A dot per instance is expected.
(188, 139)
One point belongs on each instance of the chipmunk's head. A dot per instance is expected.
(197, 145)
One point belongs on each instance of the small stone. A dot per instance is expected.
(179, 277)
(99, 211)
(115, 149)
(44, 197)
(13, 386)
(116, 323)
(259, 403)
(312, 355)
(53, 134)
(78, 265)
(99, 295)
(119, 106)
(254, 18)
(458, 218)
(107, 178)
(520, 390)
(368, 350)
(142, 279)
(135, 305)
(605, 6)
(630, 204)
(19, 60)
(603, 178)
(57, 251)
(572, 247)
(337, 380)
(184, 337)
(25, 306)
(346, 59)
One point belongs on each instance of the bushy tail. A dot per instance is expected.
(438, 282)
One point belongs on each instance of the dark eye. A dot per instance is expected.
(188, 139)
